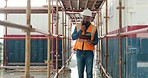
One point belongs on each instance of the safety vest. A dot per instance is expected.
(82, 44)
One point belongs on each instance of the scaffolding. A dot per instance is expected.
(49, 36)
(28, 28)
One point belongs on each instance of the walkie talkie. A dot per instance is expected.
(86, 35)
(83, 25)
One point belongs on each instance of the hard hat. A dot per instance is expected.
(87, 12)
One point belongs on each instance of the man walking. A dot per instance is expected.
(86, 37)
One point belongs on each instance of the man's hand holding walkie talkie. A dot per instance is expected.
(83, 29)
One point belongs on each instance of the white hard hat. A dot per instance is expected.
(87, 12)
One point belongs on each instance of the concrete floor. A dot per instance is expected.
(72, 66)
(4, 74)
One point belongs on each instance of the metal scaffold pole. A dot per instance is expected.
(6, 51)
(68, 39)
(106, 50)
(57, 21)
(63, 45)
(48, 44)
(100, 54)
(100, 57)
(97, 23)
(65, 35)
(98, 45)
(100, 39)
(52, 17)
(27, 54)
(52, 51)
(120, 38)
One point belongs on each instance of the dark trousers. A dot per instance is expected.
(85, 58)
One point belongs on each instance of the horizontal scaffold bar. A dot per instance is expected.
(143, 30)
(13, 38)
(13, 25)
(23, 27)
(104, 70)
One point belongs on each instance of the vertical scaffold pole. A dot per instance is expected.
(120, 38)
(100, 57)
(98, 45)
(6, 51)
(68, 26)
(106, 50)
(57, 21)
(27, 56)
(97, 49)
(65, 35)
(70, 36)
(100, 36)
(48, 44)
(52, 51)
(63, 45)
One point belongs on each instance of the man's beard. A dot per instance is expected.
(85, 22)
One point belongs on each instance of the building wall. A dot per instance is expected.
(138, 12)
(134, 49)
(16, 47)
(134, 13)
(39, 21)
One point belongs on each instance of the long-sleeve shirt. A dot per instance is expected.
(75, 35)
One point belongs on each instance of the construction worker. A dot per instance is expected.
(86, 36)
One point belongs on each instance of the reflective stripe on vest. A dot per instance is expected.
(93, 32)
